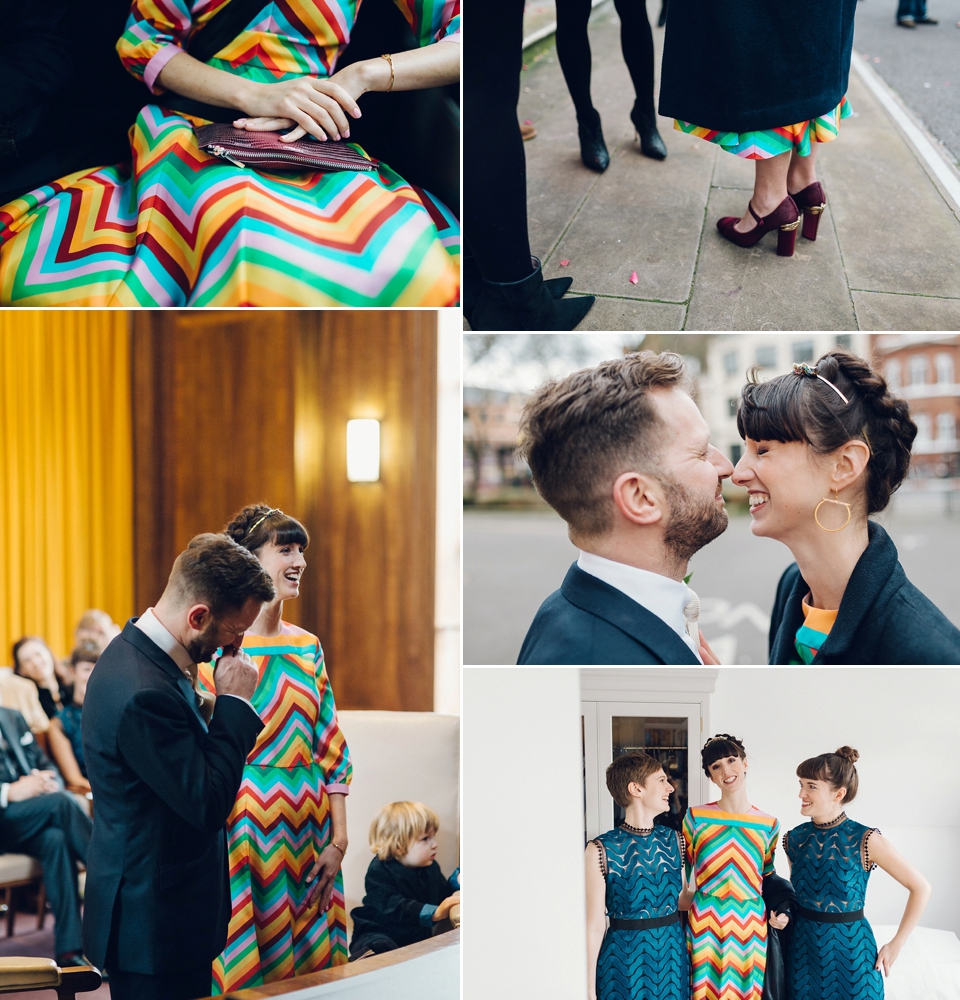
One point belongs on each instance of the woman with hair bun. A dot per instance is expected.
(729, 846)
(287, 834)
(833, 954)
(826, 446)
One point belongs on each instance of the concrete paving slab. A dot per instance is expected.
(642, 216)
(896, 232)
(732, 171)
(629, 314)
(880, 311)
(867, 110)
(754, 289)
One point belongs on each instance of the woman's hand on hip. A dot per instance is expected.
(321, 877)
(887, 956)
(309, 105)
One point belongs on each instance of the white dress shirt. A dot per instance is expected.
(660, 595)
(158, 633)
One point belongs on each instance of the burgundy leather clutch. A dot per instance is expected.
(265, 151)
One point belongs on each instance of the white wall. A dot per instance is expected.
(522, 841)
(446, 671)
(903, 722)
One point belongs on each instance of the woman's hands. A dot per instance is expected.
(322, 875)
(307, 104)
(778, 920)
(887, 956)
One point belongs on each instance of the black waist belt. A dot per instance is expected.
(643, 925)
(831, 918)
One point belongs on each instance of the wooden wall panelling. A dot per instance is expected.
(373, 544)
(213, 426)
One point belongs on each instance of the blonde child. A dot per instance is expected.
(406, 893)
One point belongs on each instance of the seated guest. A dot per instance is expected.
(82, 659)
(35, 663)
(37, 817)
(21, 695)
(95, 628)
(33, 659)
(406, 893)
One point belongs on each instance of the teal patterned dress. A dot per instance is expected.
(831, 959)
(643, 876)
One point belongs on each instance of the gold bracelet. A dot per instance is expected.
(343, 853)
(389, 59)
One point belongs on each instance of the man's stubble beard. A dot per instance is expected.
(693, 523)
(200, 648)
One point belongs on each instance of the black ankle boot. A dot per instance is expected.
(593, 150)
(527, 305)
(645, 122)
(473, 284)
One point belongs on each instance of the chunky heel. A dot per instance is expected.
(787, 239)
(811, 221)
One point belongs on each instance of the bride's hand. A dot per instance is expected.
(706, 653)
(307, 104)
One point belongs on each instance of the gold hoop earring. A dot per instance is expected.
(837, 501)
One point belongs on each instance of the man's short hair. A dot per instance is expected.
(216, 571)
(579, 433)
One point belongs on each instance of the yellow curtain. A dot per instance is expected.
(66, 472)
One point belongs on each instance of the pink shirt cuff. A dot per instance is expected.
(337, 789)
(160, 59)
(455, 37)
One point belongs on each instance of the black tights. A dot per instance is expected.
(573, 51)
(494, 163)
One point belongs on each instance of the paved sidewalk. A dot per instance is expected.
(887, 257)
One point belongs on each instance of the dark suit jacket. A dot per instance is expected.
(587, 621)
(164, 785)
(883, 618)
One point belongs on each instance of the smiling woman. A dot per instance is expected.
(730, 846)
(287, 833)
(826, 446)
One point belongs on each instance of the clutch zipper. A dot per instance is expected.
(266, 154)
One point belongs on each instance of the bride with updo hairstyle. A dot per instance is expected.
(825, 447)
(287, 833)
(729, 846)
(833, 954)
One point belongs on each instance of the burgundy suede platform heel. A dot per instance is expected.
(811, 201)
(785, 218)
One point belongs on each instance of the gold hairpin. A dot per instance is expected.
(805, 369)
(256, 524)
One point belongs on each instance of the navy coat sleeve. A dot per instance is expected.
(199, 782)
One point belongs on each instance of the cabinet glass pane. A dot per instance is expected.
(665, 739)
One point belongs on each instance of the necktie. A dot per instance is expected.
(691, 613)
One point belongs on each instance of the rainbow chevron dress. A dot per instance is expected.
(281, 819)
(644, 876)
(727, 930)
(181, 227)
(765, 143)
(829, 869)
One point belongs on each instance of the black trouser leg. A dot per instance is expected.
(573, 51)
(494, 163)
(636, 41)
(188, 984)
(56, 831)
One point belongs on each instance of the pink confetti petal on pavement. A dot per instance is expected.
(633, 278)
(564, 263)
(526, 121)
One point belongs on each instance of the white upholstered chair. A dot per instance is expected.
(397, 756)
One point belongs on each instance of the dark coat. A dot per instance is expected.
(883, 618)
(163, 785)
(395, 898)
(743, 65)
(587, 621)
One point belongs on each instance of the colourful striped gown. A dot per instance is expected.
(183, 227)
(727, 929)
(281, 820)
(765, 143)
(813, 633)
